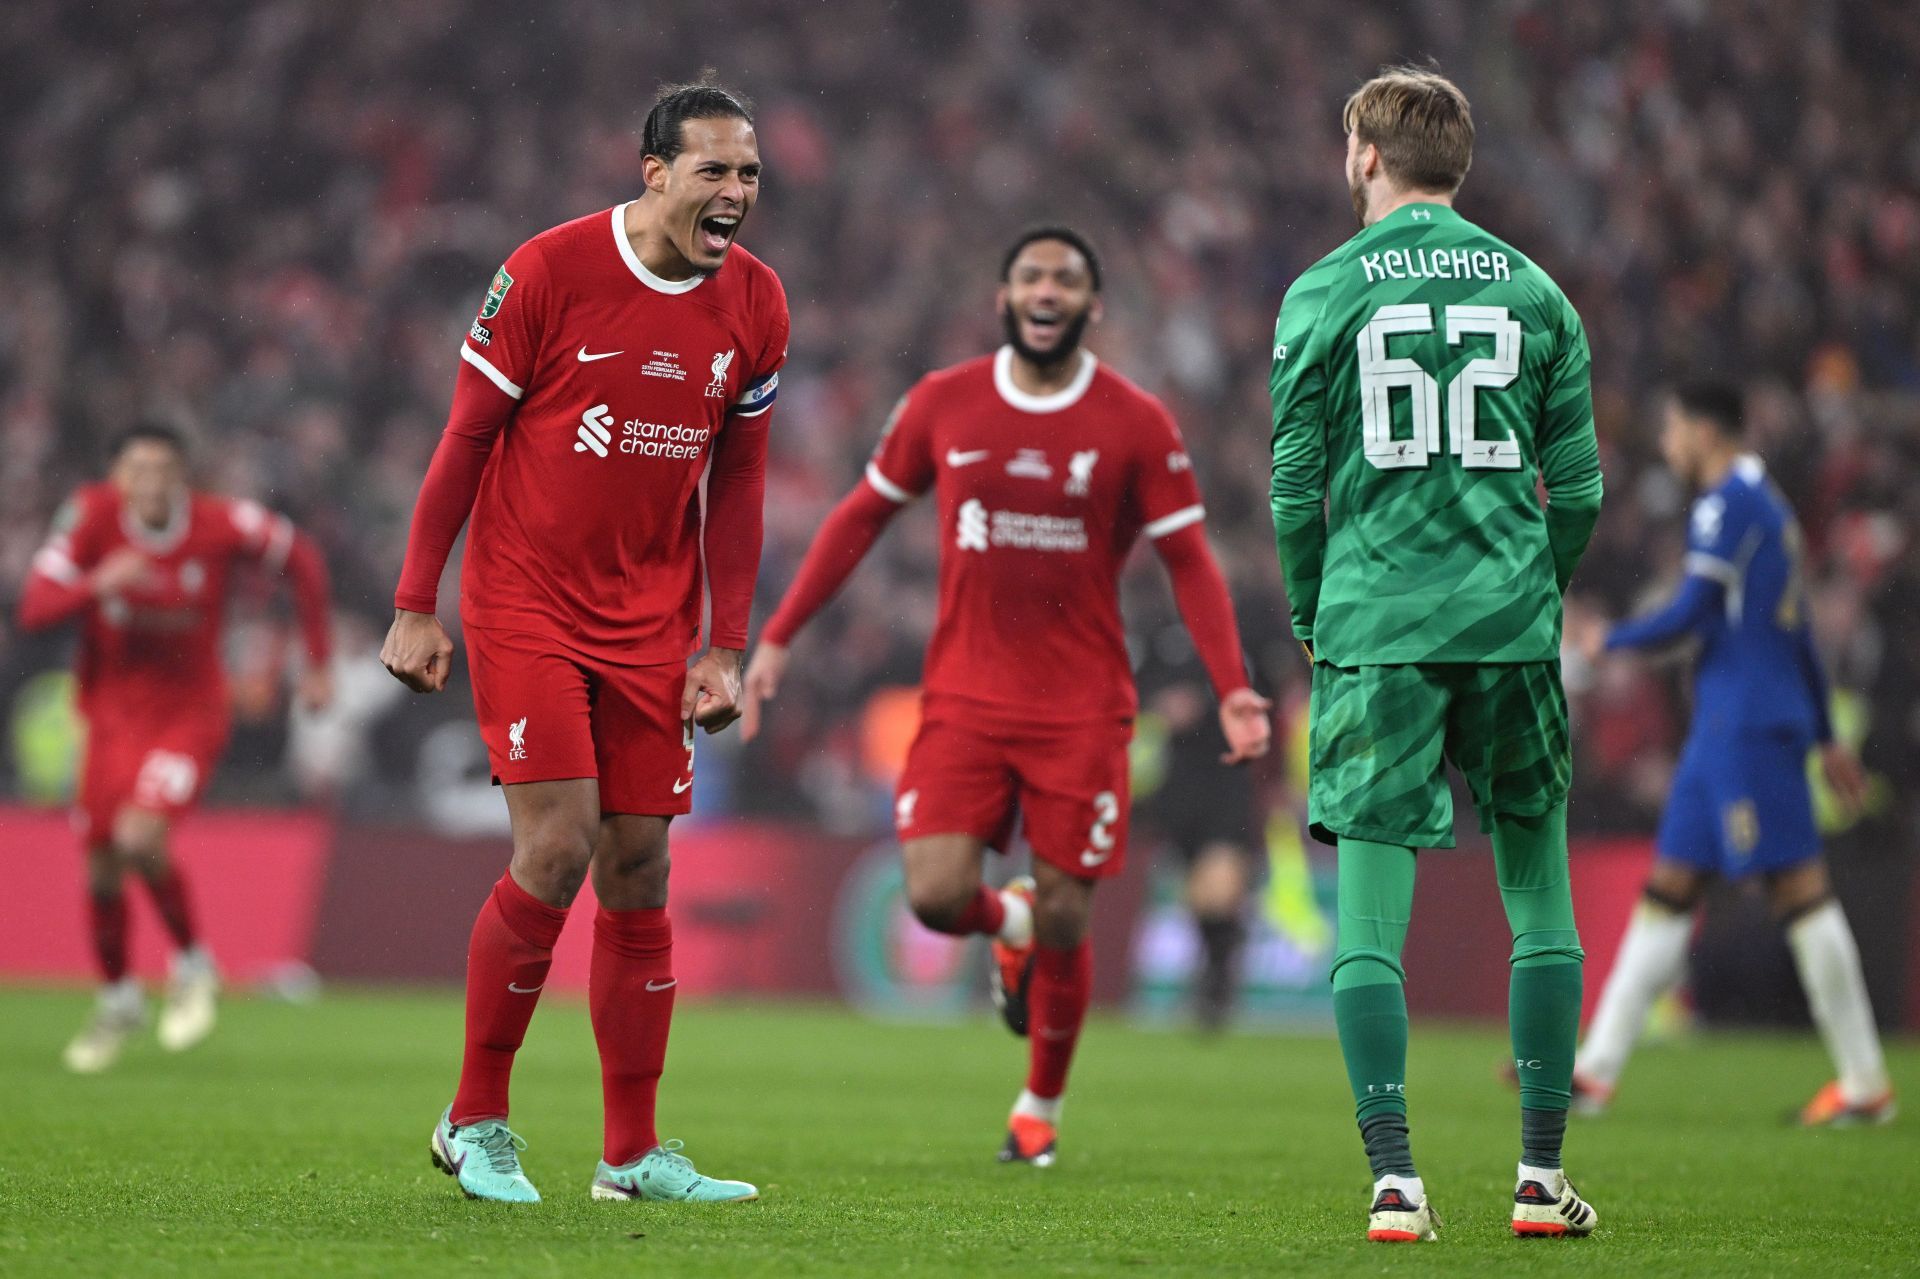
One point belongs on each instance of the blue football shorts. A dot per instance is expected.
(1741, 803)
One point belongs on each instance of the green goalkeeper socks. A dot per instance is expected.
(1369, 995)
(1369, 999)
(1543, 1001)
(1373, 1038)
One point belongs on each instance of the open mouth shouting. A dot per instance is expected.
(715, 233)
(1042, 327)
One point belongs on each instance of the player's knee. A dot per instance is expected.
(1218, 883)
(1546, 946)
(1795, 891)
(1365, 966)
(552, 864)
(140, 841)
(105, 870)
(632, 876)
(1673, 888)
(938, 901)
(1061, 914)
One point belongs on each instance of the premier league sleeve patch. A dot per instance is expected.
(758, 397)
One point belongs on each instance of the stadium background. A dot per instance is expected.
(271, 223)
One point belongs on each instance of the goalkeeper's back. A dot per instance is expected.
(1425, 376)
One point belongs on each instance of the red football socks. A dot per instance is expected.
(630, 995)
(1062, 988)
(108, 914)
(169, 893)
(984, 914)
(507, 962)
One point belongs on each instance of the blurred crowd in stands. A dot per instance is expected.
(271, 223)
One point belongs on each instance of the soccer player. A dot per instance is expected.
(146, 565)
(615, 359)
(1425, 377)
(1740, 803)
(1046, 466)
(1208, 817)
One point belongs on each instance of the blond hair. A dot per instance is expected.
(1421, 123)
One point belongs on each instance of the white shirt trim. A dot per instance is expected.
(51, 561)
(1712, 566)
(886, 487)
(279, 543)
(1066, 397)
(639, 268)
(1174, 523)
(494, 375)
(158, 540)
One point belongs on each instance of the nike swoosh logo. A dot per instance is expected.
(584, 358)
(956, 458)
(671, 981)
(1091, 858)
(680, 787)
(524, 990)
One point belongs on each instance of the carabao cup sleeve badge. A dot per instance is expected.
(496, 294)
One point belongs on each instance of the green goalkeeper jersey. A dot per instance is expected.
(1426, 377)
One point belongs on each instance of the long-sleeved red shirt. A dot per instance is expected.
(153, 648)
(1040, 499)
(592, 397)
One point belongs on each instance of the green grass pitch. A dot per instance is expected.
(295, 1142)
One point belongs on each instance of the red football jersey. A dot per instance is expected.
(152, 652)
(1040, 500)
(586, 527)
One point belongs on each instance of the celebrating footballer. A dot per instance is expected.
(615, 360)
(1046, 466)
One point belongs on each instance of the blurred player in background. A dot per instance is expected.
(1425, 377)
(1046, 467)
(1207, 816)
(146, 564)
(615, 360)
(1740, 803)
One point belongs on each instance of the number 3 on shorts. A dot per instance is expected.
(1106, 811)
(166, 778)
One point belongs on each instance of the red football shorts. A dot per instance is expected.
(547, 713)
(161, 765)
(1068, 784)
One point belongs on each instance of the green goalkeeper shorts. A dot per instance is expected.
(1381, 736)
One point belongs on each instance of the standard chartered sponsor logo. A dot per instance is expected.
(657, 439)
(973, 525)
(1017, 530)
(1039, 532)
(638, 438)
(593, 431)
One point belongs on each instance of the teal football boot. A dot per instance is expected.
(664, 1175)
(484, 1157)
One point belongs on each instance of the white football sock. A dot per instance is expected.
(1652, 958)
(1413, 1188)
(1045, 1108)
(194, 961)
(1829, 964)
(123, 998)
(1554, 1179)
(1017, 928)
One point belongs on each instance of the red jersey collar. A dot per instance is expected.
(1066, 397)
(157, 540)
(639, 268)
